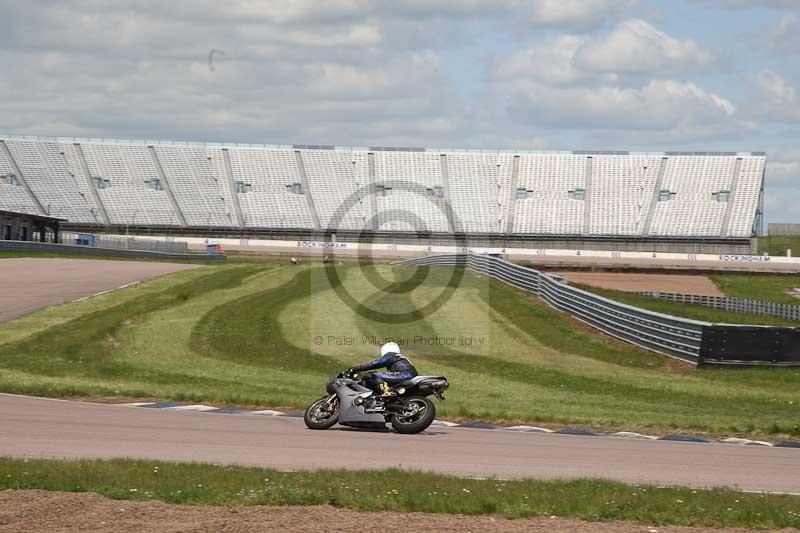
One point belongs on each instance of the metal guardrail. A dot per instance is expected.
(735, 305)
(676, 337)
(29, 246)
(130, 243)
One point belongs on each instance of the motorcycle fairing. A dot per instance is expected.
(354, 415)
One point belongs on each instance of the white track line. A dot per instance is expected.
(532, 429)
(444, 423)
(106, 291)
(198, 407)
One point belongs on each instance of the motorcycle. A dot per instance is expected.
(350, 403)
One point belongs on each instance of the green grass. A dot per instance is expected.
(778, 244)
(692, 311)
(759, 287)
(395, 490)
(242, 333)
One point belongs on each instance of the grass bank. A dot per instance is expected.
(267, 334)
(773, 288)
(778, 244)
(394, 490)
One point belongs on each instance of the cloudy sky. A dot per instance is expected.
(536, 74)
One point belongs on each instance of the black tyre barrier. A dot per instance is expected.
(729, 345)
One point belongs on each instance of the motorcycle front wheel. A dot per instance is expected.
(322, 414)
(418, 413)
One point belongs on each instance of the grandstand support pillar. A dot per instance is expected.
(21, 178)
(448, 202)
(512, 197)
(373, 200)
(92, 187)
(587, 198)
(758, 224)
(726, 221)
(163, 177)
(226, 158)
(307, 190)
(651, 212)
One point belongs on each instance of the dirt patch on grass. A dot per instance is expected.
(43, 511)
(629, 282)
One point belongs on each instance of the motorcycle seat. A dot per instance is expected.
(419, 379)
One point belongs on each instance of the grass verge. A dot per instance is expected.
(778, 244)
(241, 334)
(759, 287)
(395, 490)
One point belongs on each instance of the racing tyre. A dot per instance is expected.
(418, 414)
(322, 414)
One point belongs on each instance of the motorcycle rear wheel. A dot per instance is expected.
(315, 422)
(418, 422)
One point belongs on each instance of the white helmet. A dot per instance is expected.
(390, 347)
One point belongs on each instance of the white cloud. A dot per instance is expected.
(292, 71)
(659, 105)
(776, 88)
(785, 35)
(783, 185)
(785, 174)
(584, 82)
(572, 13)
(634, 46)
(784, 168)
(333, 71)
(775, 98)
(345, 71)
(550, 63)
(744, 4)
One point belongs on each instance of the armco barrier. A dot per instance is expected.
(736, 305)
(26, 246)
(677, 337)
(689, 340)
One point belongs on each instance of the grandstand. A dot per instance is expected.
(620, 200)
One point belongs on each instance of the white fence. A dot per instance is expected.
(735, 305)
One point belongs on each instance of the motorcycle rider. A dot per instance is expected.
(399, 369)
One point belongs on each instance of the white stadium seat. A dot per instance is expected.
(547, 207)
(163, 184)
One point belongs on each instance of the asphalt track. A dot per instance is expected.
(27, 284)
(45, 428)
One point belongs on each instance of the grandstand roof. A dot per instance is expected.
(368, 148)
